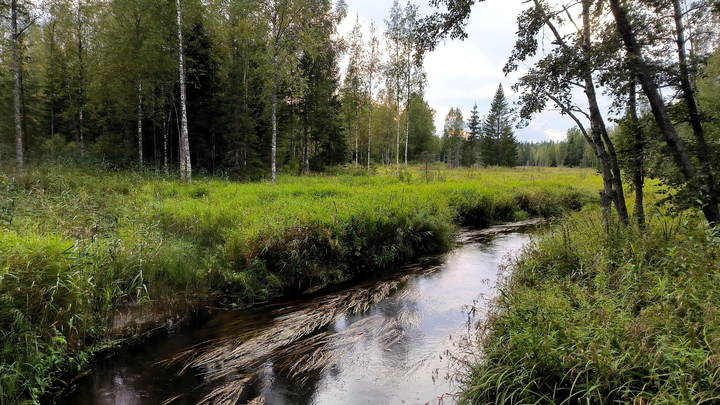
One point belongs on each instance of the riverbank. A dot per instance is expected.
(594, 315)
(87, 256)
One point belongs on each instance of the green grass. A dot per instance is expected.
(597, 315)
(77, 246)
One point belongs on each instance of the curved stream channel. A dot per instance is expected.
(384, 341)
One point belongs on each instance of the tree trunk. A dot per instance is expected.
(658, 108)
(357, 134)
(638, 152)
(407, 114)
(369, 135)
(52, 94)
(19, 158)
(706, 182)
(599, 130)
(81, 80)
(166, 139)
(370, 101)
(185, 168)
(397, 143)
(273, 119)
(139, 124)
(306, 148)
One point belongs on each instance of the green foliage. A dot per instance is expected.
(571, 152)
(422, 127)
(605, 315)
(452, 139)
(498, 146)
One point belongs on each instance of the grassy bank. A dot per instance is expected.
(595, 317)
(78, 248)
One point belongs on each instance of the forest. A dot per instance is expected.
(246, 87)
(168, 157)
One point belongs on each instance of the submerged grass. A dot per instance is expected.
(78, 247)
(599, 315)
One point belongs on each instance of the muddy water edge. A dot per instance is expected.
(383, 341)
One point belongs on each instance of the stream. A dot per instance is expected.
(388, 340)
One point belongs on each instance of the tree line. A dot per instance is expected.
(650, 58)
(238, 87)
(482, 141)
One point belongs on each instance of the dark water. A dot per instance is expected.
(386, 341)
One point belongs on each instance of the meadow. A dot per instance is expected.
(80, 247)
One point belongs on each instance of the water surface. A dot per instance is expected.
(385, 341)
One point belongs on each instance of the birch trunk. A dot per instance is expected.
(19, 158)
(166, 139)
(707, 181)
(273, 119)
(80, 123)
(185, 168)
(598, 126)
(139, 124)
(407, 111)
(369, 133)
(658, 108)
(638, 151)
(357, 134)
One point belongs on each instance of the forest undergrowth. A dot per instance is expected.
(593, 314)
(79, 247)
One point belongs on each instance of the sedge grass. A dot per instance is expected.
(79, 246)
(605, 315)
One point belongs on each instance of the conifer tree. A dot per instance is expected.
(498, 146)
(474, 124)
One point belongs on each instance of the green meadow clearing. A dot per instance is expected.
(78, 246)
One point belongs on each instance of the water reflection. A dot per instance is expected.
(383, 342)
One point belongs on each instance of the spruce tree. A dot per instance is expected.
(472, 152)
(498, 145)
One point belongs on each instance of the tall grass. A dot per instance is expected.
(598, 316)
(78, 247)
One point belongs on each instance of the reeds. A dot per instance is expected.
(77, 246)
(599, 315)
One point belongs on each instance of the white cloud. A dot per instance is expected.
(462, 73)
(556, 135)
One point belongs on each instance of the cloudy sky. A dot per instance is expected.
(462, 73)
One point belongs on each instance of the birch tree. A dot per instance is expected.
(185, 166)
(395, 69)
(352, 89)
(698, 177)
(283, 18)
(371, 68)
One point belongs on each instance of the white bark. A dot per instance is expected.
(273, 118)
(80, 123)
(185, 168)
(19, 159)
(139, 124)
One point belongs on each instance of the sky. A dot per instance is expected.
(462, 73)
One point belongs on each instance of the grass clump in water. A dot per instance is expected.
(616, 315)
